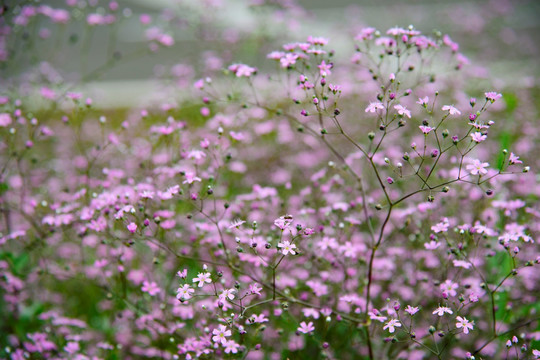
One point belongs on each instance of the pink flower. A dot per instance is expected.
(151, 288)
(288, 60)
(402, 110)
(423, 101)
(242, 70)
(184, 292)
(191, 178)
(202, 278)
(324, 68)
(286, 247)
(451, 109)
(182, 273)
(441, 310)
(132, 227)
(5, 119)
(236, 224)
(462, 264)
(478, 137)
(374, 106)
(441, 227)
(230, 346)
(334, 88)
(317, 40)
(255, 289)
(306, 328)
(464, 323)
(449, 287)
(411, 310)
(425, 129)
(283, 222)
(392, 325)
(492, 96)
(227, 294)
(514, 159)
(221, 334)
(257, 319)
(476, 167)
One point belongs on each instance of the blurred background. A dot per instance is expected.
(119, 61)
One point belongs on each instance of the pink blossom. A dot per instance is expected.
(514, 159)
(5, 119)
(286, 247)
(423, 101)
(242, 70)
(324, 68)
(492, 96)
(402, 110)
(451, 110)
(283, 222)
(230, 346)
(411, 310)
(184, 292)
(202, 278)
(132, 227)
(221, 334)
(374, 106)
(425, 129)
(478, 137)
(476, 167)
(392, 325)
(306, 328)
(441, 310)
(464, 323)
(151, 288)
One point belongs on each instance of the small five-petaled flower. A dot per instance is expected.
(221, 334)
(441, 310)
(202, 278)
(306, 328)
(464, 323)
(392, 325)
(286, 247)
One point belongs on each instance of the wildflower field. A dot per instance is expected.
(245, 179)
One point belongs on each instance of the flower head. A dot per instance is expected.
(184, 292)
(492, 96)
(402, 110)
(392, 325)
(221, 334)
(306, 328)
(411, 310)
(514, 159)
(151, 288)
(374, 106)
(423, 101)
(202, 278)
(478, 137)
(464, 323)
(451, 109)
(324, 68)
(230, 346)
(132, 227)
(425, 129)
(441, 310)
(286, 247)
(476, 167)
